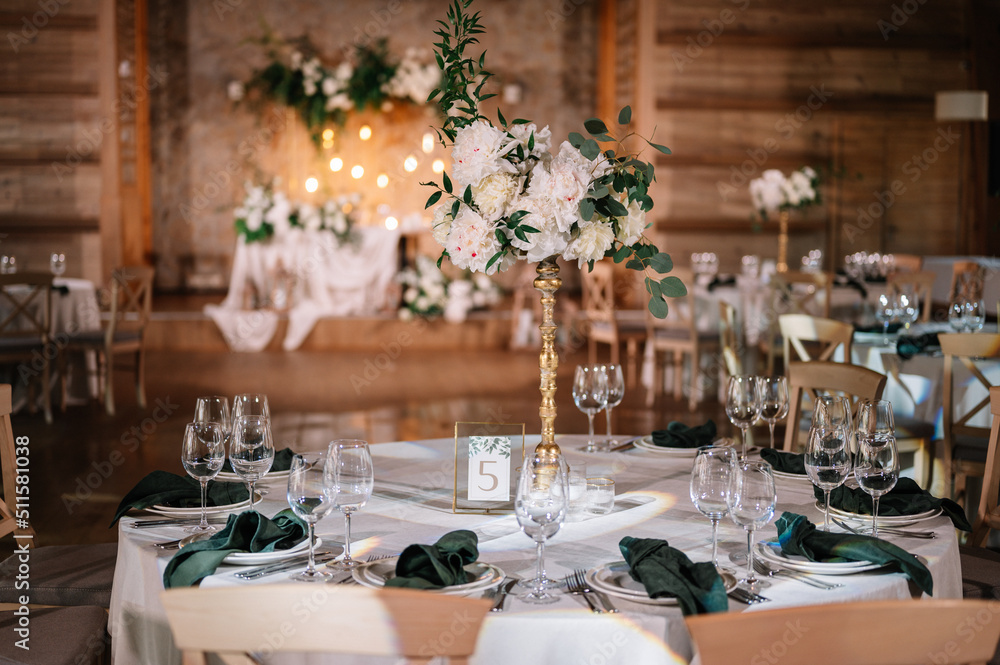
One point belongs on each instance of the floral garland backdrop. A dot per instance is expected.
(429, 293)
(265, 212)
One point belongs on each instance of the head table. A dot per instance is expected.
(412, 504)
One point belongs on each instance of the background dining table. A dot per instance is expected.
(412, 503)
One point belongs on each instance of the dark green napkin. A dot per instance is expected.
(679, 435)
(168, 489)
(282, 461)
(246, 532)
(668, 573)
(906, 498)
(908, 346)
(439, 565)
(783, 461)
(878, 328)
(799, 536)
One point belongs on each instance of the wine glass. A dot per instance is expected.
(909, 308)
(213, 409)
(540, 505)
(885, 312)
(773, 400)
(616, 393)
(57, 264)
(203, 452)
(743, 404)
(250, 404)
(251, 450)
(828, 461)
(877, 465)
(833, 411)
(590, 393)
(974, 315)
(310, 495)
(711, 476)
(956, 314)
(751, 505)
(352, 474)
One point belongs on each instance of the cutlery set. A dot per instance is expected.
(576, 584)
(763, 568)
(892, 531)
(746, 596)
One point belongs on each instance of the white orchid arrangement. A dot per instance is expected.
(265, 212)
(509, 198)
(773, 191)
(429, 293)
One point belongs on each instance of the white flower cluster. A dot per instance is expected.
(774, 191)
(428, 292)
(416, 77)
(264, 213)
(547, 188)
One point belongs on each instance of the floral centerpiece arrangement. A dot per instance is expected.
(774, 191)
(265, 213)
(326, 94)
(429, 293)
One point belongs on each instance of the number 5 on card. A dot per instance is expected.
(487, 459)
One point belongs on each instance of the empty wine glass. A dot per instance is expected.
(202, 453)
(885, 312)
(909, 308)
(590, 393)
(711, 477)
(751, 505)
(743, 404)
(213, 409)
(974, 315)
(616, 393)
(876, 467)
(773, 400)
(251, 450)
(57, 264)
(310, 495)
(828, 462)
(833, 411)
(353, 476)
(956, 314)
(540, 505)
(250, 404)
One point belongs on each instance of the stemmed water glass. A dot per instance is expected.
(352, 474)
(310, 495)
(616, 393)
(974, 315)
(773, 400)
(251, 450)
(590, 393)
(909, 308)
(250, 404)
(885, 312)
(57, 263)
(832, 411)
(877, 465)
(214, 409)
(540, 505)
(751, 505)
(743, 404)
(711, 477)
(202, 453)
(828, 461)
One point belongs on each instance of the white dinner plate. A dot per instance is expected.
(230, 477)
(646, 443)
(790, 476)
(614, 579)
(170, 511)
(887, 520)
(264, 558)
(772, 554)
(483, 576)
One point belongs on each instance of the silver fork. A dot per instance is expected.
(368, 559)
(580, 576)
(764, 568)
(574, 586)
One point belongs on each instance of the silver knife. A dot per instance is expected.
(146, 524)
(501, 600)
(264, 571)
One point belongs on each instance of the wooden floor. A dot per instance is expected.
(86, 461)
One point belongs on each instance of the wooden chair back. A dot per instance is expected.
(820, 377)
(988, 516)
(599, 293)
(804, 292)
(888, 632)
(729, 339)
(907, 262)
(8, 466)
(131, 299)
(824, 336)
(408, 623)
(920, 284)
(966, 280)
(25, 305)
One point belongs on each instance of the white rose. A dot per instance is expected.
(630, 228)
(405, 314)
(472, 242)
(493, 195)
(422, 303)
(410, 294)
(594, 240)
(478, 152)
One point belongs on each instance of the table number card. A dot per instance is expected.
(487, 459)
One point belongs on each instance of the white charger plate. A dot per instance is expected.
(264, 558)
(375, 574)
(886, 520)
(803, 565)
(646, 443)
(614, 579)
(170, 511)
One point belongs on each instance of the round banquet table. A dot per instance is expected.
(412, 504)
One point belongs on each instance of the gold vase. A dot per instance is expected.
(548, 282)
(782, 242)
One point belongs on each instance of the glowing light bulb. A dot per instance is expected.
(327, 145)
(336, 164)
(312, 184)
(410, 163)
(327, 134)
(382, 181)
(427, 143)
(357, 171)
(365, 132)
(438, 166)
(391, 223)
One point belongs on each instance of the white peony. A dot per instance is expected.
(630, 228)
(254, 218)
(472, 241)
(549, 240)
(565, 182)
(441, 224)
(767, 191)
(594, 240)
(493, 195)
(309, 217)
(277, 215)
(543, 139)
(479, 151)
(330, 86)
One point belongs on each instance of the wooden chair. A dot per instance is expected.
(888, 632)
(677, 337)
(967, 279)
(824, 337)
(605, 324)
(919, 283)
(907, 262)
(25, 319)
(825, 377)
(795, 292)
(988, 516)
(8, 457)
(965, 445)
(131, 303)
(233, 622)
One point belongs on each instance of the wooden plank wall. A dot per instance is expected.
(740, 86)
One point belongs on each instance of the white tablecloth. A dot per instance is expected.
(327, 279)
(412, 503)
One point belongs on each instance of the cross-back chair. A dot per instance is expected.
(988, 516)
(795, 292)
(965, 442)
(25, 332)
(408, 623)
(920, 284)
(966, 280)
(821, 377)
(907, 262)
(814, 337)
(605, 324)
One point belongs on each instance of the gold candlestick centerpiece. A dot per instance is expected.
(548, 282)
(782, 265)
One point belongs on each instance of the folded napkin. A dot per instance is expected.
(439, 565)
(168, 489)
(718, 281)
(799, 536)
(906, 498)
(282, 461)
(666, 572)
(246, 532)
(878, 328)
(908, 346)
(679, 435)
(784, 462)
(844, 280)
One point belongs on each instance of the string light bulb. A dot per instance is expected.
(327, 134)
(410, 164)
(437, 166)
(382, 181)
(357, 171)
(312, 184)
(336, 164)
(391, 222)
(427, 143)
(365, 132)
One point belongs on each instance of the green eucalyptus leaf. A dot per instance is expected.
(661, 263)
(590, 149)
(529, 229)
(587, 209)
(432, 199)
(662, 148)
(616, 208)
(653, 288)
(576, 139)
(595, 126)
(635, 264)
(673, 287)
(446, 181)
(622, 253)
(467, 196)
(658, 307)
(625, 115)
